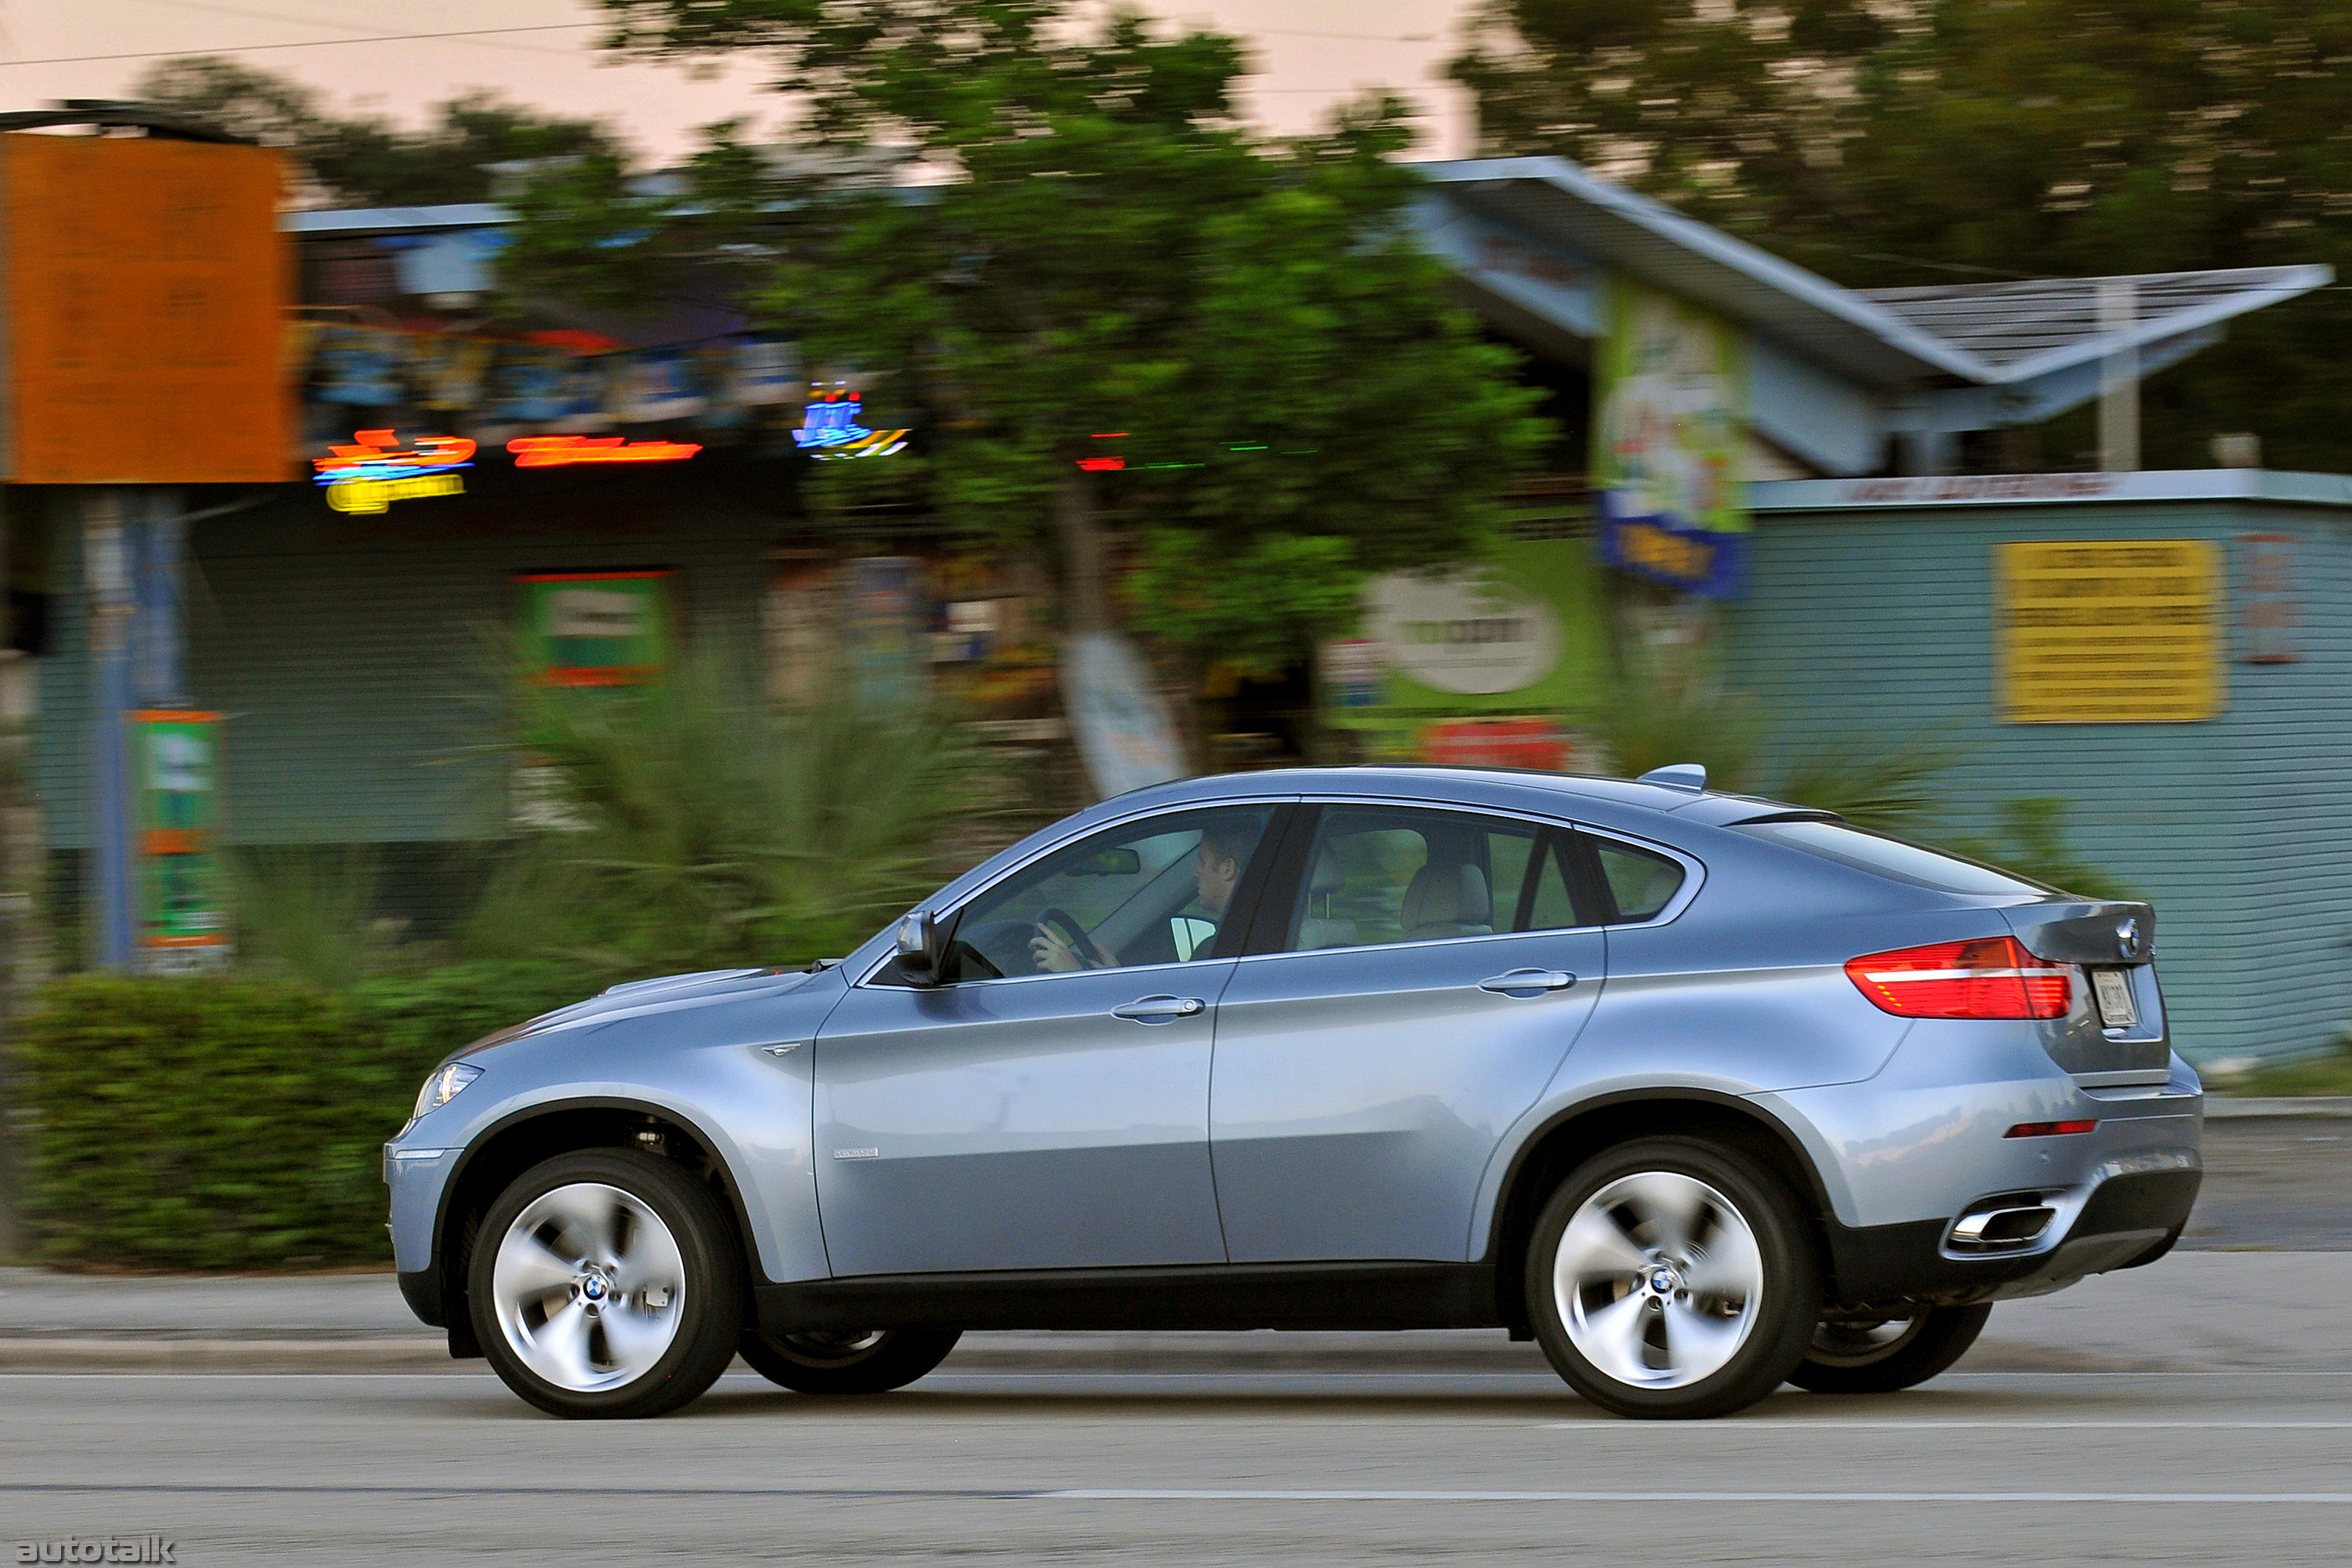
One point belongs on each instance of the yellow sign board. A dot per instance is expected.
(144, 284)
(2108, 631)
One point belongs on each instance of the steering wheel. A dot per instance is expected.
(1055, 922)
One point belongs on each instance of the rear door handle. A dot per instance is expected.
(1161, 1009)
(1528, 981)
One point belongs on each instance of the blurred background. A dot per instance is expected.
(505, 499)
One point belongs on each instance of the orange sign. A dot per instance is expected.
(145, 283)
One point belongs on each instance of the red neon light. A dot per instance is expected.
(1100, 465)
(379, 449)
(560, 451)
(1107, 435)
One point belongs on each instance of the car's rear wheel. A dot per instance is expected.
(1883, 1357)
(1669, 1279)
(874, 1361)
(607, 1283)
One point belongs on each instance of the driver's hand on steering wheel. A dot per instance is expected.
(1052, 955)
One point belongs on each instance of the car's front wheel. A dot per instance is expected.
(607, 1283)
(1670, 1279)
(874, 1362)
(1885, 1357)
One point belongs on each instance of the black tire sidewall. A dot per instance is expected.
(1945, 1339)
(1785, 1316)
(714, 1284)
(898, 1359)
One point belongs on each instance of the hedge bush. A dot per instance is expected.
(212, 1123)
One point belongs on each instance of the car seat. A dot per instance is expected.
(1449, 899)
(1318, 929)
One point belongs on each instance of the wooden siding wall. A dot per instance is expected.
(350, 656)
(1873, 627)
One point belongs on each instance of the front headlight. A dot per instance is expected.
(443, 1086)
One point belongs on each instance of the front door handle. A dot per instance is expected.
(1528, 982)
(1159, 1009)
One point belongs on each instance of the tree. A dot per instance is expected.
(369, 162)
(1969, 139)
(1105, 265)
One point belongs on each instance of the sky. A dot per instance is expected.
(1309, 56)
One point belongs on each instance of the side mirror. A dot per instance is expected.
(922, 947)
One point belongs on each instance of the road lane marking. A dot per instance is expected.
(1139, 1494)
(427, 1489)
(1764, 1422)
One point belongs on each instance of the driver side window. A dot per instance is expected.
(1154, 891)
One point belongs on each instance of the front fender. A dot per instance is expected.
(738, 1076)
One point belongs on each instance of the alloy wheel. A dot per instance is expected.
(589, 1286)
(1658, 1280)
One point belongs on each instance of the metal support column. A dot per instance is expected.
(2119, 379)
(107, 560)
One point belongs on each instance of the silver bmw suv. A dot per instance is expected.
(1700, 1092)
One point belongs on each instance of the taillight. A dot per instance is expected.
(1988, 977)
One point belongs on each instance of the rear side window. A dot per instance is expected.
(1641, 883)
(1890, 857)
(1379, 875)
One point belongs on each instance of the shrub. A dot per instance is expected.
(215, 1123)
(703, 830)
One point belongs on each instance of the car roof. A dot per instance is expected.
(1620, 802)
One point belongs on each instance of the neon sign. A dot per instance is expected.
(561, 451)
(829, 429)
(374, 471)
(377, 455)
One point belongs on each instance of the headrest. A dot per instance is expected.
(1446, 895)
(1328, 877)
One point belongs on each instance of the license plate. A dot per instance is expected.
(2112, 988)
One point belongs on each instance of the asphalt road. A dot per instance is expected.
(2198, 1411)
(1507, 1468)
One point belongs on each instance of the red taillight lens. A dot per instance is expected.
(1991, 977)
(2049, 1129)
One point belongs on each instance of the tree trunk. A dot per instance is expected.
(1086, 567)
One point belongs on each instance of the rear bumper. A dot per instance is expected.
(2130, 1218)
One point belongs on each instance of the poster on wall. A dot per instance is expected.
(1670, 391)
(2112, 631)
(595, 628)
(1489, 664)
(182, 908)
(888, 615)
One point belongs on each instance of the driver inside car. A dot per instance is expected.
(1216, 871)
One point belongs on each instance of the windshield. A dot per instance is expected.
(1891, 857)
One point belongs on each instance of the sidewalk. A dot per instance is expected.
(2193, 1312)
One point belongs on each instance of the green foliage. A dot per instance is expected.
(365, 161)
(205, 1124)
(306, 914)
(1886, 790)
(2328, 1075)
(1648, 720)
(235, 1124)
(2032, 842)
(1106, 250)
(1645, 722)
(1978, 140)
(712, 832)
(1254, 606)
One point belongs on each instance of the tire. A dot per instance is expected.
(874, 1362)
(1883, 1358)
(1671, 1279)
(584, 1243)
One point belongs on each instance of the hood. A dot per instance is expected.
(662, 995)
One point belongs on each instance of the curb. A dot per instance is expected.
(2223, 1107)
